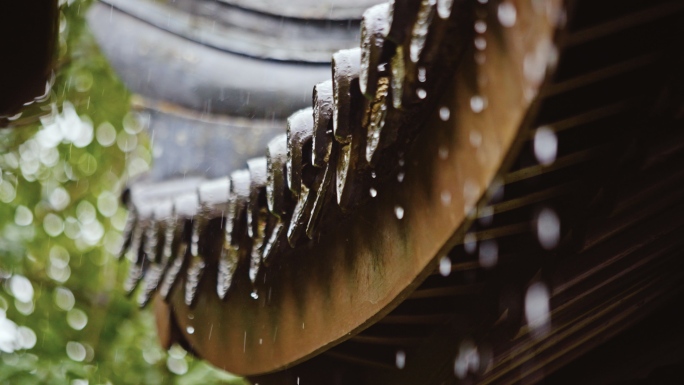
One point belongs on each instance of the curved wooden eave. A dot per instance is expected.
(322, 293)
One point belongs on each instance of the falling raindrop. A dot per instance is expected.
(475, 138)
(445, 197)
(254, 295)
(507, 14)
(445, 266)
(373, 174)
(480, 43)
(373, 192)
(477, 103)
(444, 113)
(489, 253)
(422, 75)
(470, 243)
(471, 192)
(545, 145)
(536, 61)
(480, 26)
(537, 309)
(400, 177)
(190, 330)
(468, 359)
(530, 93)
(486, 215)
(496, 190)
(421, 93)
(400, 359)
(548, 228)
(399, 212)
(443, 152)
(444, 8)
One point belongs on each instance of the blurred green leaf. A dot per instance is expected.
(59, 224)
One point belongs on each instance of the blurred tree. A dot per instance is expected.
(63, 316)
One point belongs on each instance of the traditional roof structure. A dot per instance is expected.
(483, 191)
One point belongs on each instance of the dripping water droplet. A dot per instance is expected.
(470, 243)
(444, 8)
(475, 138)
(443, 152)
(477, 103)
(373, 192)
(191, 330)
(480, 43)
(444, 113)
(537, 309)
(545, 145)
(400, 359)
(548, 228)
(480, 26)
(421, 93)
(468, 359)
(445, 196)
(445, 266)
(507, 14)
(486, 215)
(489, 253)
(399, 212)
(422, 75)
